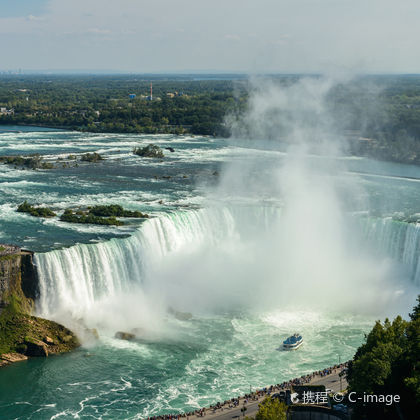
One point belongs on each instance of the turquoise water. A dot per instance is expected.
(265, 247)
(208, 360)
(122, 178)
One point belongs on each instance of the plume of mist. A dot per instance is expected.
(135, 312)
(311, 255)
(292, 242)
(289, 112)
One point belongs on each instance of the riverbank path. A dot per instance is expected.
(331, 381)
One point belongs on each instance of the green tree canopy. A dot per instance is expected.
(271, 409)
(388, 364)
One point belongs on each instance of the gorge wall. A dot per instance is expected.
(21, 334)
(18, 276)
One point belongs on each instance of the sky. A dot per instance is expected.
(244, 36)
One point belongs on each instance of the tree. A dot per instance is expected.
(388, 364)
(271, 409)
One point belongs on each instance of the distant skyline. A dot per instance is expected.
(233, 36)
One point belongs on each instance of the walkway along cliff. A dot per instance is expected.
(21, 334)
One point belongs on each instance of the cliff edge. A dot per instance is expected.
(21, 334)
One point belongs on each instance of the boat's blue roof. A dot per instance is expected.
(292, 339)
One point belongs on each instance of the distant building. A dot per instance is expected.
(132, 95)
(174, 94)
(5, 111)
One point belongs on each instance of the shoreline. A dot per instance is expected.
(78, 130)
(50, 127)
(251, 400)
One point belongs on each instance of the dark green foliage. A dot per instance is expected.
(100, 215)
(101, 103)
(91, 157)
(415, 315)
(383, 111)
(21, 348)
(116, 211)
(25, 207)
(32, 161)
(151, 150)
(271, 409)
(71, 217)
(389, 363)
(17, 328)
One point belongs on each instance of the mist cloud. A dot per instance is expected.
(294, 239)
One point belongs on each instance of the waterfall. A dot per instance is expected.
(74, 278)
(398, 240)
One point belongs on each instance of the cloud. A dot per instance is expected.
(35, 18)
(98, 31)
(281, 35)
(233, 37)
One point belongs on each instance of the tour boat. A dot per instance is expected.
(293, 342)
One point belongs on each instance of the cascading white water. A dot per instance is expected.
(398, 240)
(73, 279)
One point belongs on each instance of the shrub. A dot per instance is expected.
(115, 210)
(25, 207)
(70, 217)
(271, 409)
(150, 150)
(91, 157)
(32, 161)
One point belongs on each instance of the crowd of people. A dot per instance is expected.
(306, 379)
(253, 396)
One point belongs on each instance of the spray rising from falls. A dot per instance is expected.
(74, 279)
(399, 240)
(201, 258)
(304, 252)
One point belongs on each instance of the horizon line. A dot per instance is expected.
(97, 72)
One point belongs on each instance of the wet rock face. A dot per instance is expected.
(182, 316)
(10, 276)
(48, 340)
(36, 349)
(124, 335)
(30, 281)
(18, 275)
(8, 358)
(21, 334)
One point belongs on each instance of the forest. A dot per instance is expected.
(107, 103)
(379, 116)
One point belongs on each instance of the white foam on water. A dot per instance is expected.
(187, 257)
